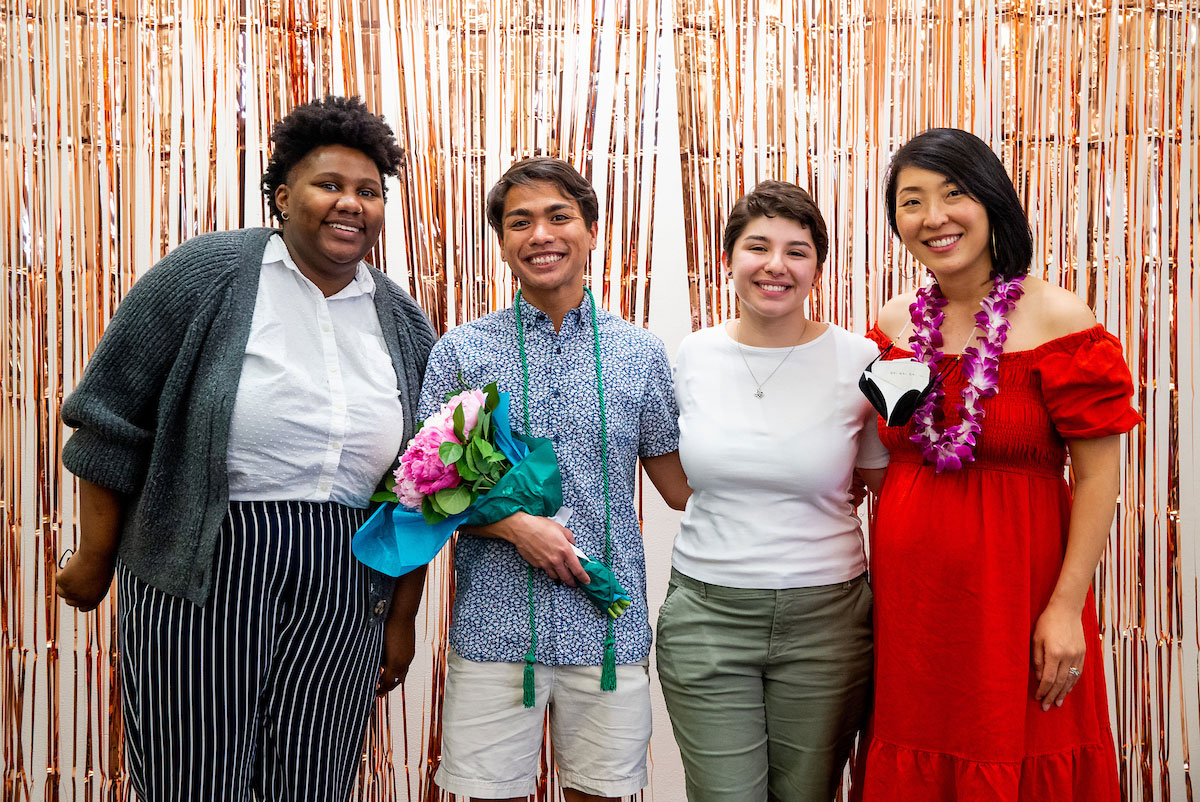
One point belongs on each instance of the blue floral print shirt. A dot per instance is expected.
(491, 614)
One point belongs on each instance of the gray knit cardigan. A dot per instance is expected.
(152, 410)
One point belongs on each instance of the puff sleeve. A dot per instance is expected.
(1087, 386)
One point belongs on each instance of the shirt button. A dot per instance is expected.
(325, 327)
(323, 487)
(336, 444)
(380, 606)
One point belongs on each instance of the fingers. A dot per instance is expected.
(389, 680)
(1057, 679)
(576, 569)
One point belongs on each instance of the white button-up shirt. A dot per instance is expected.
(318, 414)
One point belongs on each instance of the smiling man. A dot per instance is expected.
(600, 389)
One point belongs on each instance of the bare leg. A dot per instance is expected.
(571, 795)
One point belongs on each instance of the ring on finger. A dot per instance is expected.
(1073, 671)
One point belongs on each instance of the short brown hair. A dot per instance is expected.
(543, 168)
(777, 199)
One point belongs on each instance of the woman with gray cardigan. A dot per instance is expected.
(240, 409)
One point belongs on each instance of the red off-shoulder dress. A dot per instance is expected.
(962, 565)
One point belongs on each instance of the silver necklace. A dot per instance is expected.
(758, 385)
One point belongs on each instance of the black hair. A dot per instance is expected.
(334, 120)
(543, 168)
(967, 161)
(777, 199)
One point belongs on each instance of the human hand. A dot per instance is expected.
(858, 489)
(399, 646)
(84, 581)
(1058, 647)
(544, 544)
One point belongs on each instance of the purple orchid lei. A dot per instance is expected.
(949, 449)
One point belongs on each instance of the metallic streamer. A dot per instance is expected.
(129, 127)
(1092, 106)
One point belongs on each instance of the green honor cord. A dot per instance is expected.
(608, 671)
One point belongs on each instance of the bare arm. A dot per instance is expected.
(84, 581)
(1058, 642)
(400, 630)
(873, 478)
(541, 542)
(666, 472)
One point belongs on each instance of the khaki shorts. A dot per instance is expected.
(491, 742)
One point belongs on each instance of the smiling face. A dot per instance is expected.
(545, 242)
(774, 264)
(333, 200)
(942, 226)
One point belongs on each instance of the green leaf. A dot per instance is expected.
(449, 453)
(496, 458)
(389, 480)
(485, 425)
(485, 448)
(429, 513)
(493, 396)
(459, 422)
(466, 471)
(385, 495)
(470, 461)
(453, 500)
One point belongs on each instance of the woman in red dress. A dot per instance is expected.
(989, 683)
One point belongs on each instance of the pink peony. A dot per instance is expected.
(471, 402)
(421, 466)
(407, 491)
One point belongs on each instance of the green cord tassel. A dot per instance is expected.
(527, 687)
(528, 696)
(608, 673)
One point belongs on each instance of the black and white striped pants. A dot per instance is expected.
(265, 691)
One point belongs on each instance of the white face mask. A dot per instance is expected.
(896, 387)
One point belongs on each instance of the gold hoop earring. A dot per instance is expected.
(994, 253)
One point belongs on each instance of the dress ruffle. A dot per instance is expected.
(1083, 774)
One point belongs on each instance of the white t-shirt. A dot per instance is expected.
(771, 475)
(317, 415)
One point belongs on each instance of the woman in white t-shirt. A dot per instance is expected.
(764, 640)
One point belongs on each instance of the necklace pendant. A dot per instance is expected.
(758, 393)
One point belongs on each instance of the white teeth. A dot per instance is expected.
(341, 227)
(549, 258)
(943, 241)
(773, 287)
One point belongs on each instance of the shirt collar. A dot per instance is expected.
(579, 316)
(362, 283)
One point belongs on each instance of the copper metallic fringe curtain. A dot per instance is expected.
(127, 127)
(1093, 109)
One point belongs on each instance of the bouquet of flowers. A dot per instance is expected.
(466, 467)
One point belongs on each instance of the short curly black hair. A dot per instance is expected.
(334, 120)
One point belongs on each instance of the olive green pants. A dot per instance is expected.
(766, 689)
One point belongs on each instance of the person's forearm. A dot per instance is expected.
(406, 598)
(1097, 483)
(99, 520)
(667, 475)
(504, 529)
